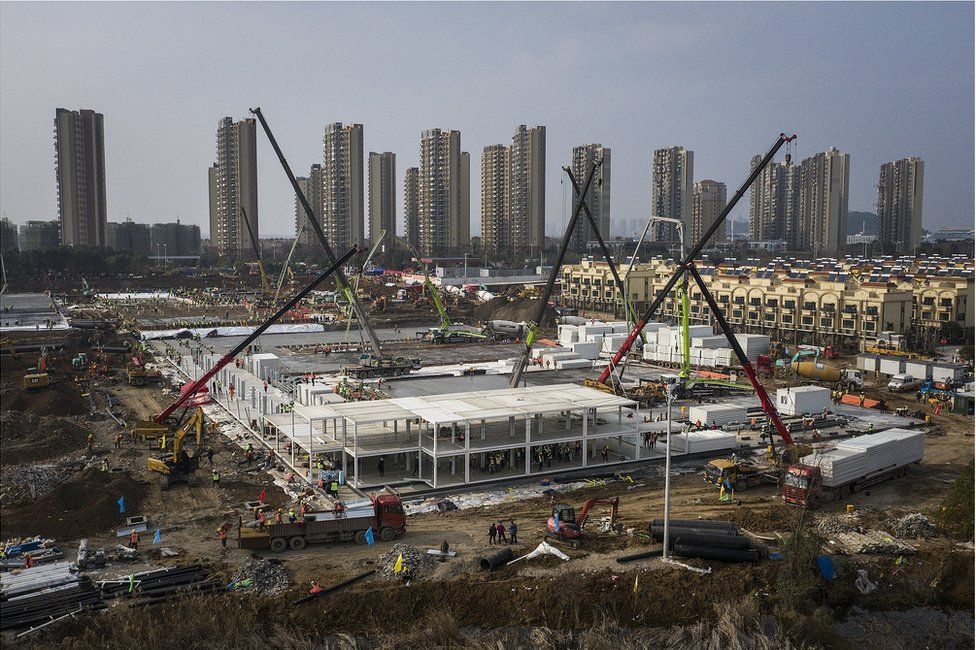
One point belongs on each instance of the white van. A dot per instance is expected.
(903, 382)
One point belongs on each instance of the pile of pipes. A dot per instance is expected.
(24, 483)
(43, 595)
(156, 586)
(709, 540)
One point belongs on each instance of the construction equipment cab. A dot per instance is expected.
(179, 466)
(563, 525)
(740, 474)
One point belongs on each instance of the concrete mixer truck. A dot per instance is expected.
(845, 378)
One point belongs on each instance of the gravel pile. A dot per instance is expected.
(416, 560)
(913, 526)
(267, 577)
(831, 524)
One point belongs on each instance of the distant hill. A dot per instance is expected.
(856, 219)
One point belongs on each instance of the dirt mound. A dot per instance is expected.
(60, 398)
(79, 508)
(27, 437)
(519, 309)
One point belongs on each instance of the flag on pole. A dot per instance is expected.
(121, 503)
(157, 537)
(369, 536)
(398, 567)
(264, 495)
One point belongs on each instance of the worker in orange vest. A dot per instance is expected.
(316, 588)
(222, 534)
(134, 540)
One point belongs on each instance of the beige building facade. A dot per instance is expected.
(79, 146)
(382, 194)
(598, 197)
(900, 204)
(444, 194)
(837, 307)
(342, 185)
(672, 178)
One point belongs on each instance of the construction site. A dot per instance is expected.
(351, 458)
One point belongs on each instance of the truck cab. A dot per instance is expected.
(389, 513)
(739, 473)
(852, 378)
(903, 382)
(800, 483)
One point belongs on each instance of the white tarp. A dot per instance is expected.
(286, 328)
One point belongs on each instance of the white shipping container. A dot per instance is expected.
(859, 457)
(593, 328)
(892, 366)
(567, 364)
(585, 349)
(919, 369)
(612, 342)
(568, 334)
(724, 358)
(712, 415)
(802, 399)
(948, 372)
(868, 362)
(709, 341)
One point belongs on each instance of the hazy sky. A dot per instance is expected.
(879, 81)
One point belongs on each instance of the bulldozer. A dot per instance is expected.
(564, 527)
(178, 466)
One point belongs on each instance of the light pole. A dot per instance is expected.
(669, 397)
(165, 255)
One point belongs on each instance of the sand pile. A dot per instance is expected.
(60, 398)
(26, 437)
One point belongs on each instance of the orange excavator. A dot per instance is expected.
(563, 526)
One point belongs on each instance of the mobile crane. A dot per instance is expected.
(257, 250)
(687, 265)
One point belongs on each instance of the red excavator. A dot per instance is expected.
(563, 526)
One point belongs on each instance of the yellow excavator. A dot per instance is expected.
(178, 466)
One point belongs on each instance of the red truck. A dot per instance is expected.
(384, 515)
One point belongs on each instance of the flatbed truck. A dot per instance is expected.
(384, 515)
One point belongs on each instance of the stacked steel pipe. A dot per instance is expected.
(155, 586)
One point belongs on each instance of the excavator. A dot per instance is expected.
(563, 525)
(179, 466)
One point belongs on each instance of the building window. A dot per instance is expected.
(789, 304)
(826, 322)
(807, 320)
(810, 305)
(787, 319)
(848, 325)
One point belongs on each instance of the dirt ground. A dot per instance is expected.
(49, 427)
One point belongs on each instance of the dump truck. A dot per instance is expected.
(384, 515)
(370, 366)
(852, 465)
(843, 377)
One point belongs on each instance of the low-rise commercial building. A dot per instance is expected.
(841, 302)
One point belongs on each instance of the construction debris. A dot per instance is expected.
(912, 526)
(830, 524)
(544, 548)
(871, 542)
(415, 560)
(268, 577)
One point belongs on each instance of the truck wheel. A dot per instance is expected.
(387, 533)
(361, 537)
(278, 544)
(296, 543)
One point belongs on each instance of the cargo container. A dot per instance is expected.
(891, 366)
(802, 400)
(919, 369)
(852, 465)
(949, 372)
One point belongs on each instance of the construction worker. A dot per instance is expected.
(28, 560)
(512, 531)
(134, 540)
(118, 441)
(334, 488)
(339, 509)
(90, 441)
(222, 534)
(291, 516)
(216, 478)
(860, 400)
(278, 516)
(210, 453)
(725, 493)
(316, 588)
(492, 533)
